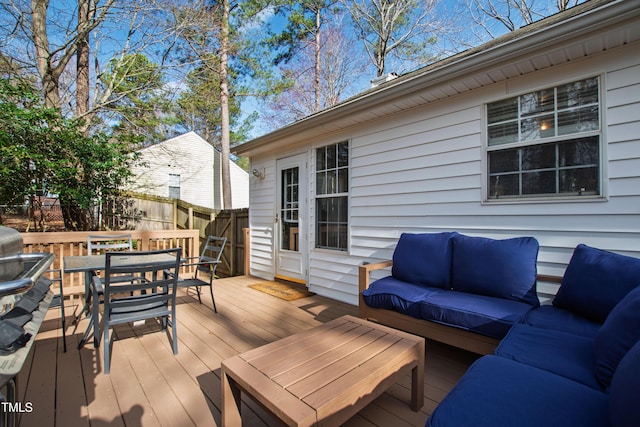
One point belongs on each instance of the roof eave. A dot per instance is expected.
(584, 18)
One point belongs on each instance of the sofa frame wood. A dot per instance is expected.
(456, 337)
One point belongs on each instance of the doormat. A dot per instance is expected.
(285, 291)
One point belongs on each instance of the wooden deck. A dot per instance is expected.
(149, 386)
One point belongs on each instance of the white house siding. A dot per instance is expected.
(262, 218)
(187, 155)
(198, 164)
(425, 173)
(423, 170)
(239, 186)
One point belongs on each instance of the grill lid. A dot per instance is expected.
(19, 271)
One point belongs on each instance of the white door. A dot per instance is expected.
(291, 218)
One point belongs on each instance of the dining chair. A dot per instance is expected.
(205, 264)
(99, 245)
(151, 295)
(113, 242)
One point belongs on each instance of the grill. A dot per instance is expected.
(24, 299)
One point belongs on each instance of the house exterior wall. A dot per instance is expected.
(187, 155)
(424, 171)
(198, 164)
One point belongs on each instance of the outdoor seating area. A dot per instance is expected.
(260, 359)
(149, 386)
(461, 290)
(577, 359)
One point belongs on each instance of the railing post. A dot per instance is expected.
(234, 246)
(175, 214)
(247, 250)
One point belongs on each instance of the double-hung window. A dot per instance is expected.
(174, 186)
(545, 143)
(332, 196)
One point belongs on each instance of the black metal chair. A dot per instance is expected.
(152, 294)
(206, 263)
(99, 245)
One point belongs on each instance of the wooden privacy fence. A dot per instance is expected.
(230, 224)
(75, 243)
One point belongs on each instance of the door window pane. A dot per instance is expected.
(289, 210)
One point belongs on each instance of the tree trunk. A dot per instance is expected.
(82, 62)
(317, 62)
(75, 218)
(49, 75)
(224, 105)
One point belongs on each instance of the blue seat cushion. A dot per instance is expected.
(550, 317)
(393, 294)
(498, 392)
(617, 335)
(595, 281)
(497, 268)
(478, 313)
(624, 405)
(561, 353)
(424, 259)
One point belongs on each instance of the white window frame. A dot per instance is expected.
(174, 178)
(554, 139)
(344, 194)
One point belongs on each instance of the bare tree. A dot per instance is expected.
(85, 15)
(303, 32)
(493, 17)
(336, 71)
(392, 26)
(52, 61)
(54, 40)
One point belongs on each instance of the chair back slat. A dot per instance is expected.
(154, 273)
(116, 242)
(211, 254)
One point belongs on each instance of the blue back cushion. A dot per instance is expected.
(424, 259)
(617, 335)
(624, 402)
(496, 268)
(595, 281)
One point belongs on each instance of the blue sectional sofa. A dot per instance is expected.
(573, 363)
(461, 290)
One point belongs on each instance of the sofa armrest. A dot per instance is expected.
(365, 270)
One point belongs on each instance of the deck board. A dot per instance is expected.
(149, 386)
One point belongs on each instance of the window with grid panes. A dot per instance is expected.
(332, 194)
(545, 143)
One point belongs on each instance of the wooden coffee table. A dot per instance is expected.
(324, 375)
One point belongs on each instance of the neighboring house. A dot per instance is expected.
(189, 168)
(534, 133)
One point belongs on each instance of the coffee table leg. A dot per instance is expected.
(417, 381)
(230, 401)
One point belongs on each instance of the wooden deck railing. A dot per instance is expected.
(75, 243)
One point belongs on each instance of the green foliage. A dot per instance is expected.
(301, 26)
(43, 153)
(138, 102)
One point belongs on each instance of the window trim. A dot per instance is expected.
(173, 178)
(317, 196)
(551, 198)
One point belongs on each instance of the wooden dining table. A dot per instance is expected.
(93, 264)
